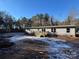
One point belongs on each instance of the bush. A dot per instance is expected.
(46, 36)
(41, 36)
(51, 35)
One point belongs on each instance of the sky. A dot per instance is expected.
(58, 9)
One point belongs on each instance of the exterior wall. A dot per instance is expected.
(48, 30)
(59, 31)
(40, 30)
(34, 30)
(63, 31)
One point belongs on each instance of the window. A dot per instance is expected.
(43, 29)
(68, 30)
(38, 29)
(53, 29)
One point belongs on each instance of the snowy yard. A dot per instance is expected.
(39, 48)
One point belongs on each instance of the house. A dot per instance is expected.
(68, 30)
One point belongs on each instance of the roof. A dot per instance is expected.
(60, 26)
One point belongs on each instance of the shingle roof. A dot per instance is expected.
(59, 26)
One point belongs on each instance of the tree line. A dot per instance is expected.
(38, 20)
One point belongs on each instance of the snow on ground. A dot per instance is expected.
(55, 47)
(20, 37)
(52, 41)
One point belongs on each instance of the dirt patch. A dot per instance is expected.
(68, 38)
(18, 53)
(72, 40)
(24, 51)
